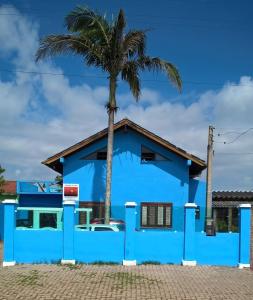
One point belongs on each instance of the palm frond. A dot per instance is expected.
(116, 53)
(64, 44)
(157, 64)
(134, 42)
(119, 26)
(130, 74)
(117, 32)
(87, 21)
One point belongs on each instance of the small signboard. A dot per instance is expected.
(70, 191)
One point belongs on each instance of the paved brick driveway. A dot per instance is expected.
(118, 282)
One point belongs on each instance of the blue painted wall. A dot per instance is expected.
(161, 246)
(38, 246)
(1, 222)
(160, 181)
(90, 247)
(220, 250)
(197, 194)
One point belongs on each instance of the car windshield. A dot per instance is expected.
(103, 229)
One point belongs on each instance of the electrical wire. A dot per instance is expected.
(104, 77)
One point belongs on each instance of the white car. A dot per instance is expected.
(99, 227)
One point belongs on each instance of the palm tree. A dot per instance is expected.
(105, 45)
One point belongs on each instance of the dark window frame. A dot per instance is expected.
(157, 204)
(152, 153)
(101, 155)
(147, 156)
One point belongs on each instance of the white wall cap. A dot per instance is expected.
(245, 205)
(69, 202)
(10, 201)
(130, 204)
(193, 205)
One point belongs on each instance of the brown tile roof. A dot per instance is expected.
(9, 187)
(197, 164)
(233, 195)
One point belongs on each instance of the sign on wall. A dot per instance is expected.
(71, 191)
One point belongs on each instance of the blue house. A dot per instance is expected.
(155, 190)
(147, 169)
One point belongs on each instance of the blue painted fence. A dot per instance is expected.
(1, 222)
(131, 246)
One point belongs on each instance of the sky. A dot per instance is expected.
(43, 112)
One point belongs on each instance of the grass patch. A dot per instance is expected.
(104, 263)
(71, 266)
(151, 262)
(31, 279)
(127, 279)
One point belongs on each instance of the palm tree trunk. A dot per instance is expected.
(111, 112)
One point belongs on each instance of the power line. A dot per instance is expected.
(228, 132)
(105, 77)
(144, 16)
(239, 135)
(161, 20)
(234, 153)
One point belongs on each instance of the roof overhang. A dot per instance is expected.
(196, 167)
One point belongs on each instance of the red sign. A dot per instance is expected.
(71, 191)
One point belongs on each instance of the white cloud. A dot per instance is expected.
(40, 115)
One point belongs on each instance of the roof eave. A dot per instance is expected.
(51, 161)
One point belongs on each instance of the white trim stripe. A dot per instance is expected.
(69, 202)
(193, 205)
(130, 204)
(10, 201)
(245, 205)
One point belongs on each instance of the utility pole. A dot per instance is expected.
(209, 216)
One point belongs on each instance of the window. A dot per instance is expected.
(101, 155)
(147, 156)
(226, 219)
(98, 211)
(48, 220)
(98, 155)
(156, 215)
(24, 219)
(150, 155)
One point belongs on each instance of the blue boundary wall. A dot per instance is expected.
(163, 247)
(131, 246)
(220, 250)
(91, 247)
(38, 246)
(1, 221)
